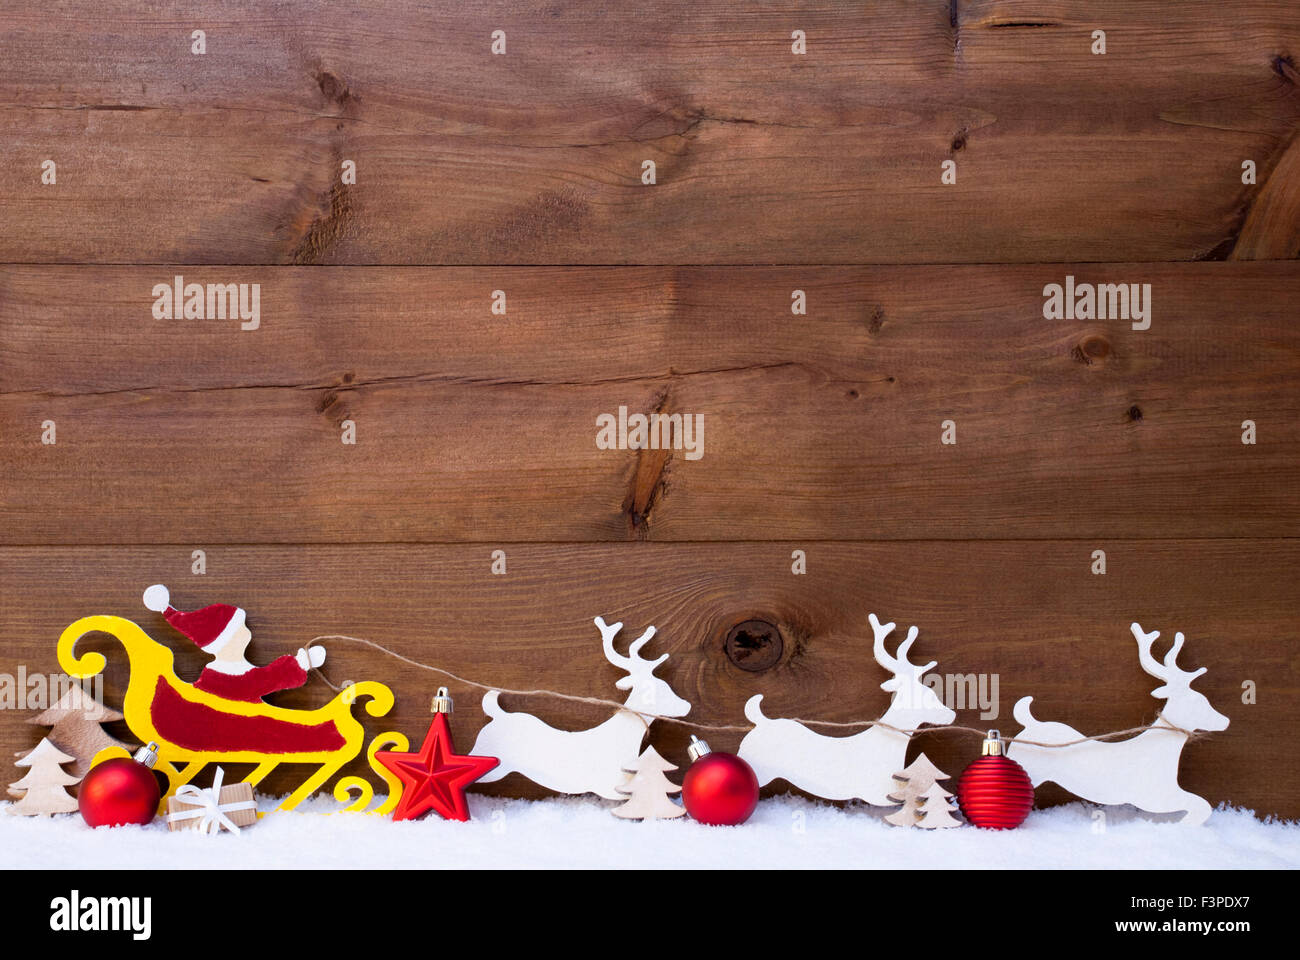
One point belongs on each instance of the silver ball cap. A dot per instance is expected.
(698, 748)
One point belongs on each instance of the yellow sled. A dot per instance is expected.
(193, 728)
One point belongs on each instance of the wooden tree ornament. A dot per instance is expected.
(1142, 770)
(648, 790)
(936, 810)
(909, 813)
(44, 785)
(914, 782)
(846, 768)
(584, 761)
(75, 727)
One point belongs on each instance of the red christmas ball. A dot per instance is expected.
(995, 792)
(719, 788)
(120, 791)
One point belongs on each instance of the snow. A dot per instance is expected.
(580, 832)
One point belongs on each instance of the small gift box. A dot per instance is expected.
(213, 809)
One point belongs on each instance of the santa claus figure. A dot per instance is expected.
(220, 632)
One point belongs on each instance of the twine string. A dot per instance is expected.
(647, 717)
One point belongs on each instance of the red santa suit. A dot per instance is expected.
(254, 683)
(211, 628)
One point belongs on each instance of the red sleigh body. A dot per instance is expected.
(197, 726)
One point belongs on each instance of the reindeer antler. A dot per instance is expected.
(1169, 670)
(1171, 658)
(1149, 663)
(640, 642)
(906, 645)
(896, 663)
(880, 631)
(607, 634)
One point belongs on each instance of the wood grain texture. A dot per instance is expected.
(479, 428)
(535, 156)
(477, 432)
(1029, 611)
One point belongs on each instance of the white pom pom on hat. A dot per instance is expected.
(157, 598)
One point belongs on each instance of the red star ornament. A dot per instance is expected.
(436, 777)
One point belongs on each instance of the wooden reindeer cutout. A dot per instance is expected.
(585, 761)
(1143, 770)
(845, 768)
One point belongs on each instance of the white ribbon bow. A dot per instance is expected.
(210, 812)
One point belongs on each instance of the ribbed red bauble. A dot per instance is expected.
(120, 791)
(719, 788)
(995, 792)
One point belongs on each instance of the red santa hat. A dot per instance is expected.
(210, 627)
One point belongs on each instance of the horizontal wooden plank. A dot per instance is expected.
(762, 155)
(477, 427)
(1031, 612)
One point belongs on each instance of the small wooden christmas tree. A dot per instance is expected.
(909, 813)
(936, 811)
(44, 783)
(919, 776)
(75, 727)
(648, 790)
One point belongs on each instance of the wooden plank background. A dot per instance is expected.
(762, 156)
(476, 432)
(475, 427)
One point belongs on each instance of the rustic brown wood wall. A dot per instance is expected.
(476, 432)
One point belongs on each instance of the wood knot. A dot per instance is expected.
(1284, 66)
(754, 645)
(1134, 414)
(332, 87)
(959, 140)
(327, 228)
(1090, 350)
